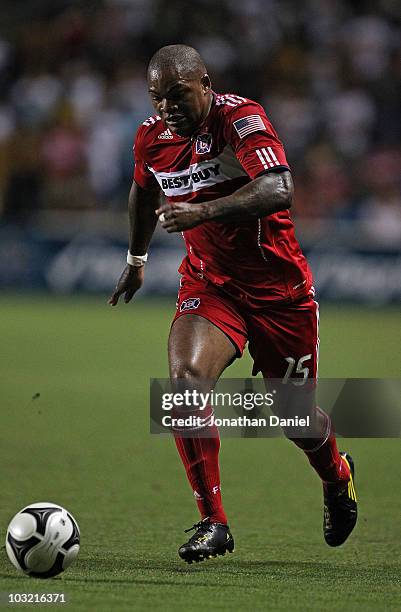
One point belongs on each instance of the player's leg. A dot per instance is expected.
(206, 336)
(284, 343)
(198, 353)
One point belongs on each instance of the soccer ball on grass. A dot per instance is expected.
(42, 540)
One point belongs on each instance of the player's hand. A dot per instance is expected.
(180, 216)
(130, 281)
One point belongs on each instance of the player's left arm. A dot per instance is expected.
(265, 195)
(261, 154)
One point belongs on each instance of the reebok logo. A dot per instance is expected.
(166, 135)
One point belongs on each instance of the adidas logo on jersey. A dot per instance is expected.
(166, 135)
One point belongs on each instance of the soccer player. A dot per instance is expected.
(227, 187)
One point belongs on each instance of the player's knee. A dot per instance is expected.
(188, 373)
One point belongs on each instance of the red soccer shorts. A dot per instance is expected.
(283, 338)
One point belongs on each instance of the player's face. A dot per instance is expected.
(182, 103)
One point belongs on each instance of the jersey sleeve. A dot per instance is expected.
(254, 140)
(142, 175)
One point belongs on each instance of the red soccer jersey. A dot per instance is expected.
(257, 260)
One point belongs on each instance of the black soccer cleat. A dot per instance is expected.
(340, 508)
(209, 540)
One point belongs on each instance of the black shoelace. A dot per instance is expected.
(203, 524)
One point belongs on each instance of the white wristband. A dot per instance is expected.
(136, 260)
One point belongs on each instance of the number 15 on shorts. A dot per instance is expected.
(299, 369)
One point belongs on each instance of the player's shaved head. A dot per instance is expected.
(180, 88)
(185, 61)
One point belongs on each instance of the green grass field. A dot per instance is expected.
(84, 443)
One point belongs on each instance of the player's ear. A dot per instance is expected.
(206, 83)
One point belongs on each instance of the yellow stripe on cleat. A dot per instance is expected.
(351, 492)
(351, 487)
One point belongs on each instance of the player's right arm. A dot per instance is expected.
(143, 200)
(142, 204)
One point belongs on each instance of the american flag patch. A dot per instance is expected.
(246, 125)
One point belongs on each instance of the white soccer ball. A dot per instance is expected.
(42, 540)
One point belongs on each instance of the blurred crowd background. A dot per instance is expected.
(73, 92)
